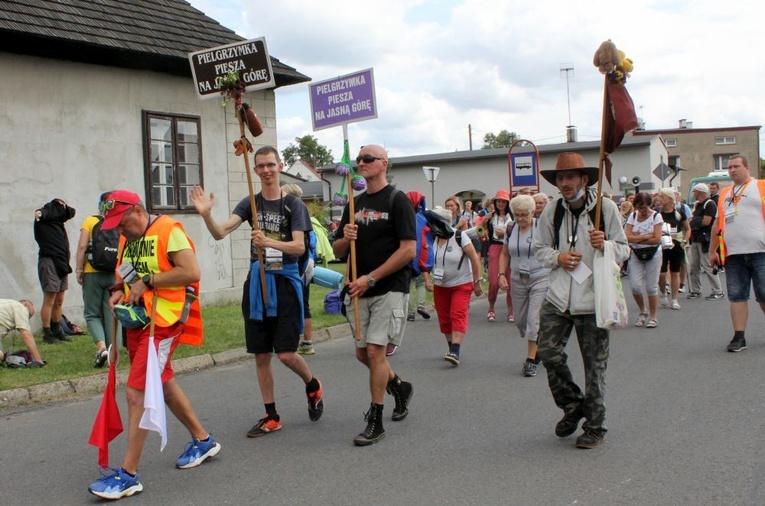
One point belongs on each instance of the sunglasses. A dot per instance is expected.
(367, 159)
(109, 204)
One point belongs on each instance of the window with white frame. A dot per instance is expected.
(173, 160)
(725, 140)
(671, 143)
(721, 162)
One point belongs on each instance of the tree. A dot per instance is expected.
(503, 139)
(308, 148)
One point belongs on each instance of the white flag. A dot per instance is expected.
(154, 416)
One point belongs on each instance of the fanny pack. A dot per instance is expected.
(645, 254)
(131, 316)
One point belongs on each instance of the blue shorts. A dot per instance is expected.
(743, 271)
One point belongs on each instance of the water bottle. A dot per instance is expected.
(191, 296)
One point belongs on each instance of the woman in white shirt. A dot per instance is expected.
(528, 277)
(455, 276)
(643, 230)
(496, 223)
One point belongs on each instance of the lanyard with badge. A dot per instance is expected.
(437, 276)
(524, 266)
(731, 213)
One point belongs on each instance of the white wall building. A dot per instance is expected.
(85, 109)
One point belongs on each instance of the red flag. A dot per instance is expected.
(108, 423)
(620, 119)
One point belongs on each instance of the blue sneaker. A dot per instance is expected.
(117, 485)
(197, 452)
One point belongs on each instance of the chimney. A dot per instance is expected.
(683, 122)
(571, 133)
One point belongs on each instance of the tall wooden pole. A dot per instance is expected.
(351, 218)
(253, 207)
(602, 156)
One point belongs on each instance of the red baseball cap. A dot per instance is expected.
(118, 203)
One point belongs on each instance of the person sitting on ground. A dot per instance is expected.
(15, 315)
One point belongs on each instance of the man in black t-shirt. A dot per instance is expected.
(384, 231)
(274, 327)
(701, 235)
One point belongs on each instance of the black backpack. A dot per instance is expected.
(103, 247)
(560, 211)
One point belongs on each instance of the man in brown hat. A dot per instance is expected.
(566, 242)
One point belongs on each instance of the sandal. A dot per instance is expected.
(641, 319)
(491, 316)
(510, 318)
(652, 324)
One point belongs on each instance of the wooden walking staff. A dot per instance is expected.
(602, 155)
(351, 216)
(241, 116)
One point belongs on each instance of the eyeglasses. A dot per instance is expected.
(269, 165)
(367, 159)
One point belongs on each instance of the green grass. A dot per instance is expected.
(224, 330)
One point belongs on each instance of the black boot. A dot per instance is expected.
(402, 392)
(48, 336)
(58, 333)
(374, 431)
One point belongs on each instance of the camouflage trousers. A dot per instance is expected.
(554, 332)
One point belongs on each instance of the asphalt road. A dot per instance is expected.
(685, 423)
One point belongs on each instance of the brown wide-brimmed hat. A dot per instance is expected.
(570, 161)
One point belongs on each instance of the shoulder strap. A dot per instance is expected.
(392, 197)
(560, 211)
(458, 240)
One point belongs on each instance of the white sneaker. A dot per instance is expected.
(664, 301)
(675, 305)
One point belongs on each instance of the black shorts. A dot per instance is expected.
(280, 333)
(673, 258)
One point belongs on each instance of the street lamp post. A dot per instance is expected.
(431, 174)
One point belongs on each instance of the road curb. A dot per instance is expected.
(94, 384)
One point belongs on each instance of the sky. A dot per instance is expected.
(441, 65)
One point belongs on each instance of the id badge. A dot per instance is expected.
(437, 275)
(274, 259)
(730, 215)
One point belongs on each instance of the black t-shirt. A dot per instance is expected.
(702, 209)
(277, 218)
(381, 228)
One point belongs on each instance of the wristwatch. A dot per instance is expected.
(147, 281)
(501, 274)
(478, 281)
(371, 281)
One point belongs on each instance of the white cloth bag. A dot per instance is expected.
(610, 304)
